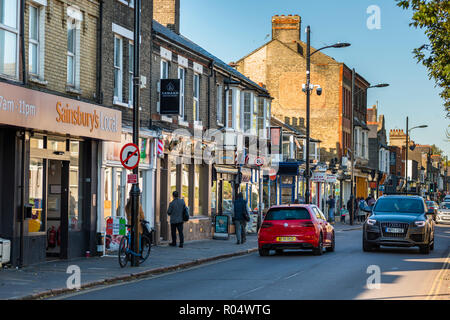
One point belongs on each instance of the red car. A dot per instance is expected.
(297, 226)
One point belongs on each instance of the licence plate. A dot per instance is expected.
(286, 239)
(395, 230)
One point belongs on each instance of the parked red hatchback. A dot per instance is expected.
(298, 226)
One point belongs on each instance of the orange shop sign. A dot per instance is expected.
(38, 110)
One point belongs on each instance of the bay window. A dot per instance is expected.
(247, 111)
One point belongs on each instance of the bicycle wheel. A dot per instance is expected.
(146, 245)
(123, 255)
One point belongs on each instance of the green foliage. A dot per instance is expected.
(433, 16)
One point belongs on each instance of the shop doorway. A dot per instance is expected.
(57, 186)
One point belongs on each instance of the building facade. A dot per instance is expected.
(281, 65)
(51, 128)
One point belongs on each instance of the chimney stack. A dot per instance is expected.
(286, 29)
(167, 13)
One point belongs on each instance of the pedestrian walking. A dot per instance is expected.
(350, 207)
(241, 216)
(362, 209)
(331, 202)
(344, 212)
(176, 211)
(371, 201)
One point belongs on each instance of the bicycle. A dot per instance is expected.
(145, 244)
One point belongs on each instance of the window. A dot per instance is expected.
(196, 106)
(247, 111)
(182, 77)
(198, 185)
(33, 50)
(37, 222)
(288, 214)
(72, 52)
(261, 117)
(9, 37)
(185, 185)
(130, 72)
(229, 103)
(219, 104)
(118, 62)
(164, 69)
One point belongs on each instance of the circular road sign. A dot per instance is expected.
(130, 156)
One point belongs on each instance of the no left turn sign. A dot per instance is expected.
(130, 156)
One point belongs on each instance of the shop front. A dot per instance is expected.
(114, 188)
(49, 145)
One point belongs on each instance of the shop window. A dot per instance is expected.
(254, 204)
(36, 196)
(185, 185)
(75, 188)
(173, 176)
(56, 144)
(227, 197)
(37, 142)
(198, 184)
(214, 198)
(107, 204)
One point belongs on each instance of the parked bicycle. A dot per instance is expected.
(145, 244)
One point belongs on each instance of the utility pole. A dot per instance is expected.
(352, 159)
(406, 156)
(308, 92)
(135, 191)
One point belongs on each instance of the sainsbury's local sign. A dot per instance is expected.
(38, 110)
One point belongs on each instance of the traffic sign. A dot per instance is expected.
(259, 161)
(132, 178)
(130, 156)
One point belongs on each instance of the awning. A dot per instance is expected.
(288, 169)
(246, 175)
(226, 169)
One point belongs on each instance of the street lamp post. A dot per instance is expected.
(352, 144)
(308, 90)
(407, 147)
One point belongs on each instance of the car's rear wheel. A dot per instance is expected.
(263, 252)
(331, 248)
(319, 250)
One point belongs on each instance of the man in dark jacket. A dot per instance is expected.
(240, 210)
(175, 211)
(350, 207)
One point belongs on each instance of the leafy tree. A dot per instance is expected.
(433, 16)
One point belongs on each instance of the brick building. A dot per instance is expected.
(215, 100)
(51, 128)
(281, 65)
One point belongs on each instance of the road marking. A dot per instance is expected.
(436, 287)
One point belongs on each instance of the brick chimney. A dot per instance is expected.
(167, 13)
(286, 29)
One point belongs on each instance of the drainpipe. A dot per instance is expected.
(209, 94)
(100, 54)
(22, 40)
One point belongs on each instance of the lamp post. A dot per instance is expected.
(406, 152)
(308, 90)
(352, 144)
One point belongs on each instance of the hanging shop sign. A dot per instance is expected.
(318, 177)
(170, 97)
(330, 178)
(38, 110)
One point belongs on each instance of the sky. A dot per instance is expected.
(231, 29)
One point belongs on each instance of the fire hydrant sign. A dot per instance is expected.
(130, 156)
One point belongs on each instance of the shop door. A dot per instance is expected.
(57, 190)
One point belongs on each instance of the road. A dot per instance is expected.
(345, 274)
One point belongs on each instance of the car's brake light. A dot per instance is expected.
(307, 224)
(266, 225)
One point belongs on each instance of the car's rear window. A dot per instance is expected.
(399, 205)
(288, 214)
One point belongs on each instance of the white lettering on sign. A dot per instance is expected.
(21, 107)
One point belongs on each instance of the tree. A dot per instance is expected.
(433, 16)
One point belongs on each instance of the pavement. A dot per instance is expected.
(52, 277)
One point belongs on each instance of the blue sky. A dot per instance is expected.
(230, 29)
